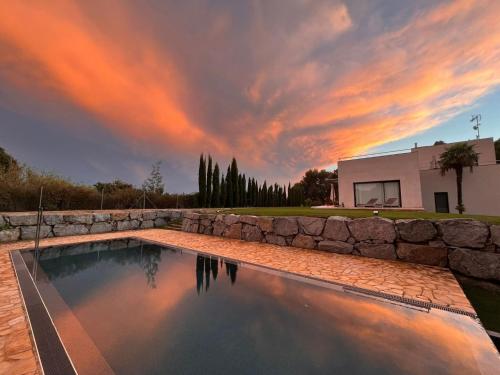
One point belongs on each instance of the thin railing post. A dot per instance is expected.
(39, 219)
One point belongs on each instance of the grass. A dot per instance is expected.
(390, 214)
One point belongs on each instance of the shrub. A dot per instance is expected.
(20, 191)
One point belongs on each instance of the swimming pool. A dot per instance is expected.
(130, 307)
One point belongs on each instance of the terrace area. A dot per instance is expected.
(407, 283)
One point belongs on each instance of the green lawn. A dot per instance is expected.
(391, 214)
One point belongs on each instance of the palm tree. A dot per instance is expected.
(458, 157)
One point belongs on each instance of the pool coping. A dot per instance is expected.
(52, 355)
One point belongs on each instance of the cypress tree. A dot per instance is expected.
(235, 183)
(222, 191)
(241, 190)
(202, 182)
(264, 194)
(249, 193)
(257, 202)
(255, 192)
(209, 182)
(236, 190)
(229, 189)
(259, 195)
(244, 194)
(215, 187)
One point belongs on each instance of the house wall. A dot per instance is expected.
(402, 167)
(481, 189)
(429, 155)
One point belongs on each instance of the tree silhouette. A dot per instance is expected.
(216, 187)
(202, 182)
(209, 182)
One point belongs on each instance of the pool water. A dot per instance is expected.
(146, 309)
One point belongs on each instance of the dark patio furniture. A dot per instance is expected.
(371, 203)
(391, 202)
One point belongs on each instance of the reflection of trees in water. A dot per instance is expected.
(150, 259)
(199, 272)
(206, 266)
(231, 270)
(147, 256)
(214, 265)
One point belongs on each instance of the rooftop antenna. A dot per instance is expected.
(477, 119)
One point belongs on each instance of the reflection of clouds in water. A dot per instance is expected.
(125, 299)
(414, 341)
(319, 324)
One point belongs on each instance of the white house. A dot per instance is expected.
(413, 180)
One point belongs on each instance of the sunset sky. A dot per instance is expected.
(97, 90)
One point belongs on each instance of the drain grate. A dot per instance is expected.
(410, 301)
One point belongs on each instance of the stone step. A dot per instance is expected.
(175, 224)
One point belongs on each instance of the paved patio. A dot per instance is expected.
(418, 282)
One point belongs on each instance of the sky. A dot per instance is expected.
(95, 90)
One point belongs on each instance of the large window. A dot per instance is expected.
(377, 194)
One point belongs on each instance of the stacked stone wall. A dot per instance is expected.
(22, 225)
(464, 245)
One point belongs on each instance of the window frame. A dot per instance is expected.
(383, 189)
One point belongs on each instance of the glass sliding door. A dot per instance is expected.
(391, 194)
(369, 194)
(377, 194)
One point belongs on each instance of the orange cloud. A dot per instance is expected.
(120, 78)
(280, 90)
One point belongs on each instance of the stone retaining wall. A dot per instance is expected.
(22, 225)
(464, 245)
(467, 246)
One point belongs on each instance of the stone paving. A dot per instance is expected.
(425, 283)
(16, 350)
